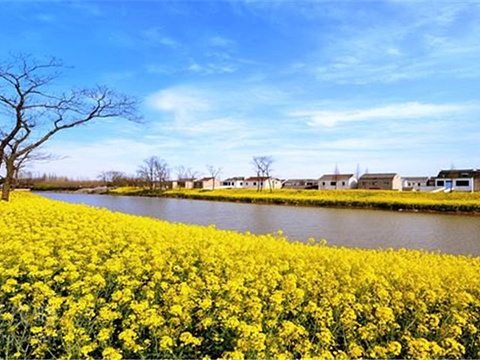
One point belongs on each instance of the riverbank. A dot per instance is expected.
(81, 282)
(466, 203)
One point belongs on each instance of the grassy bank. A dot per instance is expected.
(78, 282)
(387, 200)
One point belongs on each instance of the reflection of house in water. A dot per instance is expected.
(459, 180)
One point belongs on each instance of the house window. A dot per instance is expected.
(254, 183)
(440, 183)
(333, 183)
(241, 183)
(462, 183)
(343, 183)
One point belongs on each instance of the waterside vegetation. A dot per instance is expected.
(80, 282)
(388, 200)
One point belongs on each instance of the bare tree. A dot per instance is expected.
(214, 172)
(146, 172)
(357, 172)
(267, 162)
(184, 173)
(258, 168)
(154, 171)
(263, 167)
(336, 172)
(161, 172)
(34, 112)
(113, 178)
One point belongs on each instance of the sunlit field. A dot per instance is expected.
(389, 200)
(80, 282)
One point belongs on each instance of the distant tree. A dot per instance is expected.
(153, 172)
(258, 168)
(184, 173)
(33, 111)
(267, 167)
(357, 172)
(214, 172)
(336, 172)
(161, 172)
(113, 178)
(263, 168)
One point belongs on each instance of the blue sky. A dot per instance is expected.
(390, 85)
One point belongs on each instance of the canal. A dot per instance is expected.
(452, 234)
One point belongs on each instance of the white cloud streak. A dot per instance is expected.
(401, 111)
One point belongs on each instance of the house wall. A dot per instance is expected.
(210, 184)
(266, 184)
(185, 184)
(250, 184)
(394, 183)
(171, 185)
(300, 185)
(340, 185)
(237, 184)
(418, 185)
(206, 184)
(459, 184)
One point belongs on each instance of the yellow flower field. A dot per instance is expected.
(80, 282)
(388, 200)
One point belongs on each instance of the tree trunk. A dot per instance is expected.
(8, 180)
(7, 185)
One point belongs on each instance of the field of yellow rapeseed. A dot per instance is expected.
(80, 282)
(388, 200)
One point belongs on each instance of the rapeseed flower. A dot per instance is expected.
(79, 282)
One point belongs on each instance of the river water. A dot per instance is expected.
(452, 234)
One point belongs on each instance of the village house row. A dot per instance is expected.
(446, 180)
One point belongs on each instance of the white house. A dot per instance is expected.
(300, 184)
(262, 182)
(206, 183)
(458, 180)
(234, 182)
(418, 183)
(390, 181)
(337, 182)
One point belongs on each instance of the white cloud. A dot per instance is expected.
(394, 52)
(221, 41)
(210, 68)
(86, 160)
(156, 37)
(184, 103)
(401, 111)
